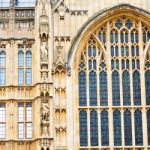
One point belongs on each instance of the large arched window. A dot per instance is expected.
(110, 75)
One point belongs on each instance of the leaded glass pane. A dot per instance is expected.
(115, 89)
(127, 128)
(82, 89)
(20, 76)
(20, 59)
(28, 76)
(83, 129)
(117, 128)
(103, 89)
(104, 128)
(138, 128)
(136, 88)
(148, 126)
(147, 86)
(94, 128)
(93, 88)
(28, 59)
(126, 88)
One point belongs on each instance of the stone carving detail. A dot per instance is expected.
(44, 52)
(45, 111)
(62, 9)
(68, 69)
(45, 115)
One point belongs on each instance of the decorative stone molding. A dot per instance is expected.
(62, 38)
(62, 9)
(68, 69)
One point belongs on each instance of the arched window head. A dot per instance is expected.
(110, 73)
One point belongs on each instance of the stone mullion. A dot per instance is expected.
(143, 94)
(130, 70)
(88, 99)
(122, 127)
(99, 128)
(110, 118)
(97, 73)
(98, 93)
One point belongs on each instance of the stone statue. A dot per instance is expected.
(44, 52)
(45, 112)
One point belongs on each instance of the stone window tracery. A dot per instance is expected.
(110, 75)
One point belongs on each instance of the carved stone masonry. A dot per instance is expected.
(45, 117)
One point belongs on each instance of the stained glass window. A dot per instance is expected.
(127, 128)
(93, 88)
(136, 88)
(138, 128)
(94, 128)
(104, 128)
(126, 88)
(83, 129)
(115, 89)
(117, 128)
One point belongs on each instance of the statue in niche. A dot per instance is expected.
(45, 111)
(44, 52)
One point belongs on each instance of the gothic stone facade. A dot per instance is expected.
(45, 53)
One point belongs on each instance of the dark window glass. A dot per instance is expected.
(117, 128)
(138, 128)
(147, 86)
(136, 88)
(83, 129)
(127, 128)
(93, 88)
(104, 128)
(148, 126)
(126, 88)
(82, 89)
(94, 128)
(115, 89)
(103, 89)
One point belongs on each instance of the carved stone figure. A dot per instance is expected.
(44, 52)
(45, 112)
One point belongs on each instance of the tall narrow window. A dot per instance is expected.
(82, 89)
(117, 128)
(148, 126)
(103, 89)
(24, 66)
(147, 78)
(28, 67)
(104, 128)
(127, 128)
(2, 67)
(24, 121)
(136, 88)
(126, 88)
(138, 128)
(2, 121)
(21, 67)
(83, 129)
(94, 128)
(115, 89)
(93, 88)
